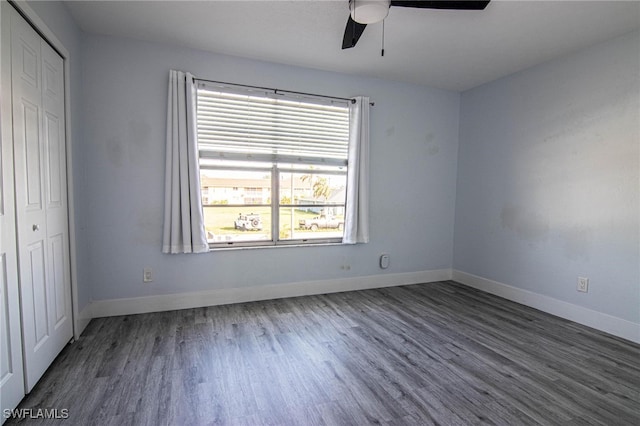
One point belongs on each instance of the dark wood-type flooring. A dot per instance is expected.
(437, 353)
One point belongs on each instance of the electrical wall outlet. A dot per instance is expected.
(147, 275)
(583, 284)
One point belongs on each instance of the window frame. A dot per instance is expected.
(276, 166)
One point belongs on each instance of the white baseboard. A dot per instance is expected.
(600, 321)
(168, 302)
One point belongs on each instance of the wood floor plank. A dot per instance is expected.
(429, 354)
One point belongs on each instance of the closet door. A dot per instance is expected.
(11, 373)
(41, 198)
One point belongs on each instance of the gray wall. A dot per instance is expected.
(413, 170)
(60, 22)
(548, 179)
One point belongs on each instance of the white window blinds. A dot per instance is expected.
(270, 127)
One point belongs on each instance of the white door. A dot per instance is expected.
(11, 373)
(41, 198)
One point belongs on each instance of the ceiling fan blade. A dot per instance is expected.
(352, 33)
(444, 4)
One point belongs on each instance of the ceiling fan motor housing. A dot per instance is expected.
(369, 11)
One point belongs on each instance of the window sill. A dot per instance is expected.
(272, 246)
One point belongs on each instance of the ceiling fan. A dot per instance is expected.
(363, 12)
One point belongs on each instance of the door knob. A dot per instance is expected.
(35, 227)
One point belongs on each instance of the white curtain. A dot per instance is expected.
(183, 217)
(356, 221)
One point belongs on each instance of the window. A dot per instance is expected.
(273, 167)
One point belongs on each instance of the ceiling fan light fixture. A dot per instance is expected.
(369, 11)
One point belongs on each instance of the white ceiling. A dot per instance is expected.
(454, 50)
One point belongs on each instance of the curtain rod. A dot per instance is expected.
(282, 91)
